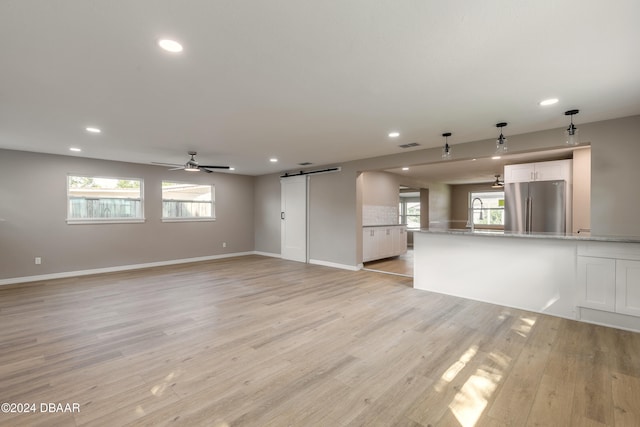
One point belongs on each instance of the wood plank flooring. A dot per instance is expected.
(256, 341)
(401, 265)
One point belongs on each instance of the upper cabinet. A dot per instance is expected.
(542, 171)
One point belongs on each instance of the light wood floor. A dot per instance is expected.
(256, 341)
(402, 265)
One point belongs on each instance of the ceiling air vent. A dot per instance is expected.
(305, 163)
(409, 145)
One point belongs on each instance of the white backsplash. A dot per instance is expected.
(379, 215)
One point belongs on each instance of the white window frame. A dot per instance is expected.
(115, 220)
(403, 211)
(486, 211)
(193, 218)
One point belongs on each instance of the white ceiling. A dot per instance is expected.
(305, 81)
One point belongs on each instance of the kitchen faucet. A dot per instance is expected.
(472, 210)
(481, 206)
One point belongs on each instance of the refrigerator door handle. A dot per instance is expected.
(530, 225)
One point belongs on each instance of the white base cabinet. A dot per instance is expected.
(383, 242)
(597, 283)
(628, 287)
(609, 278)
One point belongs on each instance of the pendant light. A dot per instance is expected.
(497, 184)
(446, 150)
(501, 142)
(572, 131)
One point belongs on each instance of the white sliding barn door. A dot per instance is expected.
(293, 195)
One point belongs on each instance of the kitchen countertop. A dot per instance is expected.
(567, 236)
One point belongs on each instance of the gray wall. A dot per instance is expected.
(330, 204)
(380, 189)
(615, 202)
(615, 176)
(33, 204)
(267, 214)
(333, 217)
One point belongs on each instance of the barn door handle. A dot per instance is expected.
(281, 215)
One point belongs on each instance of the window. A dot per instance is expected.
(487, 208)
(187, 202)
(409, 210)
(97, 199)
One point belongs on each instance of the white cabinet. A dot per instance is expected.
(628, 287)
(551, 171)
(383, 242)
(519, 173)
(542, 171)
(369, 245)
(610, 279)
(597, 283)
(399, 241)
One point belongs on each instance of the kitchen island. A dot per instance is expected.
(589, 278)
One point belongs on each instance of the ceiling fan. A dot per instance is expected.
(498, 183)
(191, 165)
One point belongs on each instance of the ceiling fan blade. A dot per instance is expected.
(177, 169)
(205, 170)
(165, 164)
(215, 167)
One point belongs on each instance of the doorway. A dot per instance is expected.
(413, 211)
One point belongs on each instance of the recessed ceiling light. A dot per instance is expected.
(496, 158)
(170, 45)
(405, 168)
(232, 169)
(77, 150)
(394, 134)
(473, 160)
(92, 129)
(549, 101)
(273, 160)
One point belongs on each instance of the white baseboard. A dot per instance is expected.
(334, 265)
(269, 254)
(76, 273)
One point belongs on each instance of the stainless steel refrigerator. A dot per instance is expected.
(535, 207)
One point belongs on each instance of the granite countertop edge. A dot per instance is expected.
(568, 236)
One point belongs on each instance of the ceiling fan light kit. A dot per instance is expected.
(497, 184)
(192, 165)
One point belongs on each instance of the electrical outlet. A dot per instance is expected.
(224, 244)
(38, 260)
